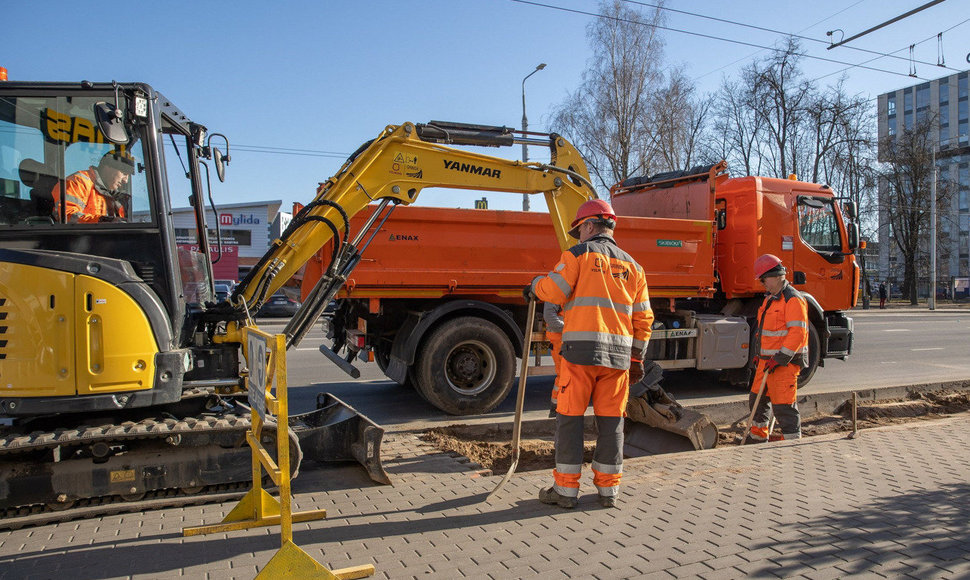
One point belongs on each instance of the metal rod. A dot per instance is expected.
(520, 397)
(855, 415)
(757, 401)
(370, 220)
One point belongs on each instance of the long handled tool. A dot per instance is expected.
(519, 398)
(757, 401)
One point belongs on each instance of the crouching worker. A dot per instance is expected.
(606, 326)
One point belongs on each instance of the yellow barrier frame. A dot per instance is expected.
(258, 508)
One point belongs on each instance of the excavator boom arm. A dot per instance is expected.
(401, 162)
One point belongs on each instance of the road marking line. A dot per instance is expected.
(933, 348)
(896, 330)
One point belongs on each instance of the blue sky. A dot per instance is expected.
(323, 77)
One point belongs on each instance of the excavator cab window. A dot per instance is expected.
(193, 263)
(52, 151)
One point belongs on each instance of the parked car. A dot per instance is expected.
(222, 292)
(230, 283)
(279, 305)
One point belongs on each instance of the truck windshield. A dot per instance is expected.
(58, 169)
(818, 225)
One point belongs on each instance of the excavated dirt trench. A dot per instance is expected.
(489, 445)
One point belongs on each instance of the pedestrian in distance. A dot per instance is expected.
(883, 294)
(781, 340)
(606, 325)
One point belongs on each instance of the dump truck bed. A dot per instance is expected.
(435, 252)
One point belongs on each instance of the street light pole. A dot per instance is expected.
(932, 301)
(525, 127)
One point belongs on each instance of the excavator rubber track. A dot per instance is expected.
(163, 460)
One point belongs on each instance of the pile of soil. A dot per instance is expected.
(490, 446)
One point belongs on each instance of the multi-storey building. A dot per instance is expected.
(944, 100)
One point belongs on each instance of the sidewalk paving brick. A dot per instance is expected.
(894, 502)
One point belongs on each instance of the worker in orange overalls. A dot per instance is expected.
(91, 192)
(607, 320)
(782, 340)
(552, 316)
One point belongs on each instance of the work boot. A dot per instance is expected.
(552, 497)
(751, 440)
(607, 501)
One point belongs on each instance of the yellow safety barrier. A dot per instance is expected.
(266, 355)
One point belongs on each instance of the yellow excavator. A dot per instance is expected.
(120, 376)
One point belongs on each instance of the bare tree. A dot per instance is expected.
(908, 171)
(607, 116)
(677, 124)
(779, 96)
(735, 132)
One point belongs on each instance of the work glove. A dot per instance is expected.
(776, 361)
(529, 292)
(636, 371)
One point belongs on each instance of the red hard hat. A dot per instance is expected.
(765, 263)
(592, 208)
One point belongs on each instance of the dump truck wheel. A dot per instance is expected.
(814, 353)
(466, 366)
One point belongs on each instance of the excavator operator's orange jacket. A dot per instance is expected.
(783, 327)
(84, 202)
(603, 294)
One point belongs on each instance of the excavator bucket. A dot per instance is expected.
(657, 433)
(336, 432)
(651, 429)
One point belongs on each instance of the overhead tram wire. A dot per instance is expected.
(900, 50)
(709, 36)
(809, 27)
(792, 34)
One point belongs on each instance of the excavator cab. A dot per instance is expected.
(107, 313)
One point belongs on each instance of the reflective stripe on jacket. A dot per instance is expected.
(783, 326)
(83, 202)
(606, 308)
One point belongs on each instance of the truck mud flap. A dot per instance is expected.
(336, 432)
(656, 434)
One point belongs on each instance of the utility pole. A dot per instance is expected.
(525, 127)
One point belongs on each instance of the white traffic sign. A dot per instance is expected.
(256, 349)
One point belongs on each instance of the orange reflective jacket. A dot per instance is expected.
(606, 309)
(83, 202)
(783, 327)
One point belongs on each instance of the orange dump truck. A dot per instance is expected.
(436, 301)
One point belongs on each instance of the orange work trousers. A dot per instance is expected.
(608, 389)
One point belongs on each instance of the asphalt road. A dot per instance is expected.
(892, 348)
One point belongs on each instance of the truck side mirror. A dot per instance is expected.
(851, 210)
(853, 236)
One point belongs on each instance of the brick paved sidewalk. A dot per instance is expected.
(893, 503)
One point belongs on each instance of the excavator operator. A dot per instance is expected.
(90, 196)
(607, 322)
(782, 338)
